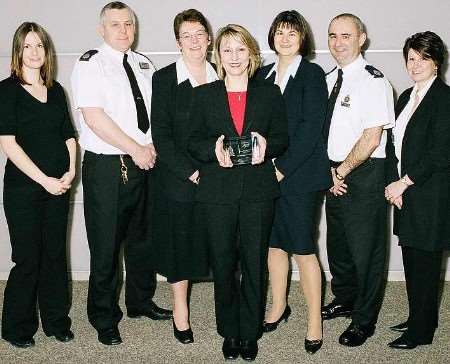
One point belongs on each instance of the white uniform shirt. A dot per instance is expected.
(183, 73)
(101, 81)
(364, 101)
(291, 71)
(405, 116)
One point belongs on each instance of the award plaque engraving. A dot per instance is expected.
(240, 149)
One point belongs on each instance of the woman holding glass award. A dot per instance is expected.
(237, 191)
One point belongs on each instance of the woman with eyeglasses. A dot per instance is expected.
(177, 244)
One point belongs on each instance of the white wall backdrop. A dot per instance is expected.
(72, 26)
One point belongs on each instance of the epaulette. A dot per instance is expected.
(326, 74)
(374, 72)
(87, 56)
(144, 65)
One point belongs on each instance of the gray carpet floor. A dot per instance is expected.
(147, 341)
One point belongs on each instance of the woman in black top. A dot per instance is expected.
(38, 138)
(177, 247)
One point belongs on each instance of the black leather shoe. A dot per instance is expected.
(334, 309)
(110, 336)
(356, 335)
(231, 348)
(152, 311)
(249, 349)
(402, 343)
(185, 336)
(22, 343)
(63, 336)
(400, 327)
(312, 346)
(272, 326)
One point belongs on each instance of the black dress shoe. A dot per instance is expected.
(356, 335)
(152, 311)
(249, 349)
(272, 326)
(63, 336)
(22, 343)
(231, 348)
(312, 346)
(400, 327)
(185, 336)
(402, 343)
(334, 309)
(110, 336)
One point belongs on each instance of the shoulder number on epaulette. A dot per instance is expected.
(87, 56)
(374, 72)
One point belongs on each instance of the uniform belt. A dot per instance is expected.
(335, 164)
(108, 156)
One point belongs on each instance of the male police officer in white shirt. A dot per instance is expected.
(112, 94)
(360, 109)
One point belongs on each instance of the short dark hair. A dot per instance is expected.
(192, 16)
(48, 68)
(116, 5)
(291, 19)
(429, 45)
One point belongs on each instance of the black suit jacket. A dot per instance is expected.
(423, 222)
(170, 130)
(305, 163)
(210, 118)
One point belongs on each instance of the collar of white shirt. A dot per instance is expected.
(113, 53)
(353, 68)
(183, 73)
(424, 89)
(290, 71)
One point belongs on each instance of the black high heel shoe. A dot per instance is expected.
(312, 346)
(184, 336)
(272, 326)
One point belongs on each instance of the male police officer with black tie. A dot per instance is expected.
(112, 92)
(360, 109)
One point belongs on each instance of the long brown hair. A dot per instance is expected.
(48, 68)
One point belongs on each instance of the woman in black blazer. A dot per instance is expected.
(419, 175)
(37, 136)
(177, 248)
(303, 171)
(238, 200)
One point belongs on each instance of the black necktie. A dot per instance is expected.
(331, 102)
(142, 116)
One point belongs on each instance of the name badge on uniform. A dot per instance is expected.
(144, 65)
(346, 102)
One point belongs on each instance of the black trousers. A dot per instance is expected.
(37, 223)
(239, 304)
(116, 213)
(356, 241)
(422, 275)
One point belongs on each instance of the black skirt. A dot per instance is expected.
(294, 226)
(179, 240)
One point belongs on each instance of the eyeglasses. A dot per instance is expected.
(199, 35)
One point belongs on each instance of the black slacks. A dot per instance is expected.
(422, 275)
(239, 304)
(356, 241)
(37, 223)
(117, 213)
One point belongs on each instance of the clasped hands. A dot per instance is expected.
(393, 193)
(258, 153)
(339, 187)
(144, 156)
(59, 186)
